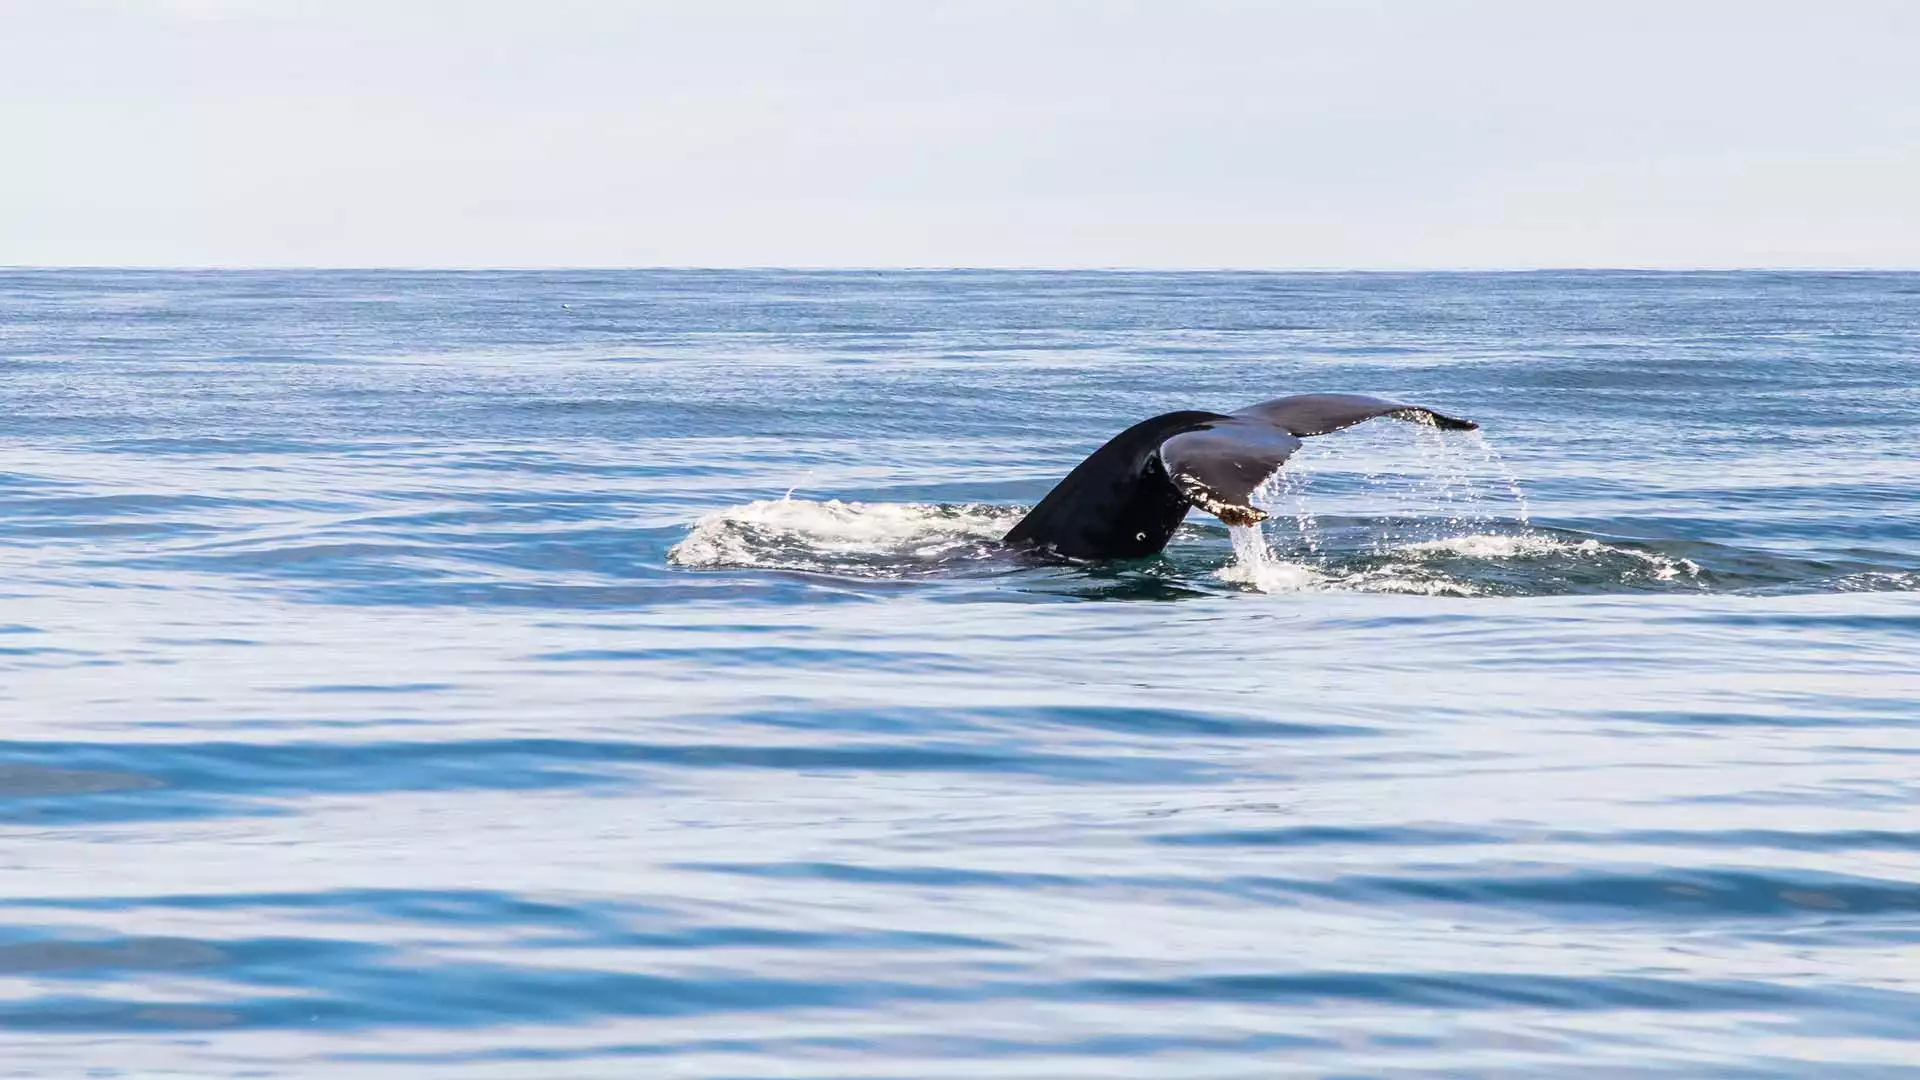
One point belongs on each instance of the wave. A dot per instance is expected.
(1528, 561)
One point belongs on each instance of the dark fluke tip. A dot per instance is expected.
(1421, 415)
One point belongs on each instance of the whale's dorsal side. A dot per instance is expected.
(1127, 498)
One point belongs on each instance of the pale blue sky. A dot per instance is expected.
(1196, 133)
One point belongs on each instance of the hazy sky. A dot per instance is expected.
(1287, 133)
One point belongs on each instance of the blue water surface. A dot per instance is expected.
(613, 674)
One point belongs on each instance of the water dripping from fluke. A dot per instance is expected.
(1255, 566)
(1456, 502)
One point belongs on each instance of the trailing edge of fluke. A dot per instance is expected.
(1128, 497)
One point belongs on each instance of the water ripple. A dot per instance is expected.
(611, 673)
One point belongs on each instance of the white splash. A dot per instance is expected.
(848, 537)
(1254, 565)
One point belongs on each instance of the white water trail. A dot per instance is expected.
(1255, 565)
(1490, 457)
(804, 477)
(1457, 499)
(1462, 488)
(1290, 487)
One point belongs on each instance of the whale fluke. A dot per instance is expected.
(1319, 414)
(1127, 498)
(1218, 467)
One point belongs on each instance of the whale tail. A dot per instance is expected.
(1127, 498)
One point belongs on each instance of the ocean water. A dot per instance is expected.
(613, 674)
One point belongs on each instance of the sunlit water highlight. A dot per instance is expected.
(617, 674)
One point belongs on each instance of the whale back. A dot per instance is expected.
(1119, 503)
